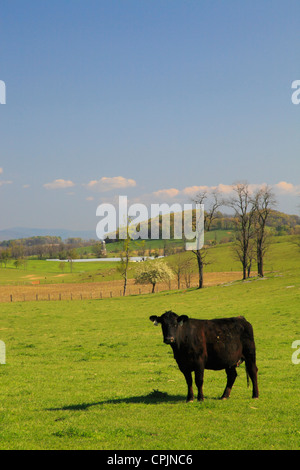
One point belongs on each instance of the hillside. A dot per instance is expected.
(17, 233)
(49, 279)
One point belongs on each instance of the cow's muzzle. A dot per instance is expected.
(169, 340)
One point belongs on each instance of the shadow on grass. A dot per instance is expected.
(151, 399)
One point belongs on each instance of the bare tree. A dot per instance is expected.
(125, 256)
(72, 254)
(124, 263)
(187, 273)
(244, 210)
(181, 266)
(263, 201)
(209, 216)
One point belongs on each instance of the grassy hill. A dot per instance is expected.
(95, 374)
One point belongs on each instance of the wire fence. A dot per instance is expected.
(106, 289)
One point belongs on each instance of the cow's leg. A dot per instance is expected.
(199, 373)
(231, 376)
(189, 382)
(252, 371)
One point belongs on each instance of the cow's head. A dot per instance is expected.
(170, 322)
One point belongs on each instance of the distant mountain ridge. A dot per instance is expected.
(16, 233)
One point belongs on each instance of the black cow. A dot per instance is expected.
(210, 344)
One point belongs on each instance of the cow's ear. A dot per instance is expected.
(182, 319)
(154, 319)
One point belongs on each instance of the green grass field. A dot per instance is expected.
(281, 255)
(95, 374)
(49, 272)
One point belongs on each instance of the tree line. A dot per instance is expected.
(42, 247)
(281, 223)
(251, 214)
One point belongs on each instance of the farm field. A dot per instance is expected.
(99, 290)
(47, 280)
(95, 374)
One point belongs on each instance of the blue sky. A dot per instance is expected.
(144, 98)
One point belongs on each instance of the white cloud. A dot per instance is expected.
(193, 190)
(169, 193)
(287, 188)
(282, 190)
(59, 184)
(224, 188)
(3, 182)
(107, 183)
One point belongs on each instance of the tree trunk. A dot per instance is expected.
(200, 269)
(260, 270)
(249, 269)
(125, 284)
(153, 288)
(244, 271)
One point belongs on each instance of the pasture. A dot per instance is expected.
(95, 374)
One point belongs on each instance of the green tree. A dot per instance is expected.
(5, 256)
(19, 262)
(17, 249)
(62, 266)
(99, 250)
(72, 254)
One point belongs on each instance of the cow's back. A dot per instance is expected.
(225, 341)
(218, 342)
